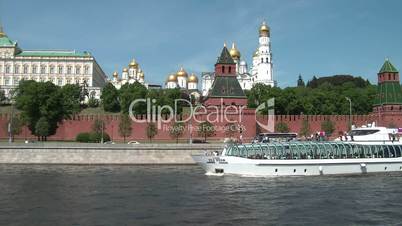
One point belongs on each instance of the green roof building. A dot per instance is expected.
(389, 93)
(226, 89)
(60, 67)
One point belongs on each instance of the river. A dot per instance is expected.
(183, 195)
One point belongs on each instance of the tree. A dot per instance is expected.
(2, 97)
(98, 126)
(151, 131)
(45, 100)
(110, 98)
(42, 129)
(305, 128)
(93, 102)
(130, 92)
(15, 125)
(206, 129)
(282, 127)
(177, 130)
(328, 127)
(71, 94)
(230, 129)
(125, 126)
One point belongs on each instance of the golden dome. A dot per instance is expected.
(125, 69)
(115, 74)
(193, 78)
(141, 74)
(264, 29)
(133, 64)
(181, 73)
(234, 52)
(172, 78)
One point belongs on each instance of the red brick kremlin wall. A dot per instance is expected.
(82, 123)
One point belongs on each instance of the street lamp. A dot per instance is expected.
(350, 111)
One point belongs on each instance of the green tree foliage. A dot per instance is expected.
(93, 103)
(45, 100)
(328, 127)
(338, 80)
(42, 128)
(305, 128)
(151, 130)
(177, 130)
(206, 129)
(15, 126)
(125, 128)
(98, 126)
(110, 98)
(2, 97)
(91, 137)
(71, 94)
(130, 92)
(327, 98)
(281, 127)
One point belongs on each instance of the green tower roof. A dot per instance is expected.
(388, 67)
(226, 86)
(225, 57)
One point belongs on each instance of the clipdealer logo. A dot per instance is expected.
(269, 126)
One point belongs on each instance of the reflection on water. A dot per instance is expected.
(183, 195)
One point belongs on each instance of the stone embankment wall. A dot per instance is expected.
(59, 153)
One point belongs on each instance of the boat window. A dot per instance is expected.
(360, 132)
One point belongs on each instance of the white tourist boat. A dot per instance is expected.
(371, 151)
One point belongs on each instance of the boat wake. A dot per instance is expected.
(214, 174)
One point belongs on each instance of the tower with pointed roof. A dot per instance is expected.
(225, 89)
(389, 92)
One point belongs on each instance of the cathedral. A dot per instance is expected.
(186, 83)
(260, 72)
(129, 75)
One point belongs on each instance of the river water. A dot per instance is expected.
(183, 195)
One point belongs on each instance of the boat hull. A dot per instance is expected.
(301, 167)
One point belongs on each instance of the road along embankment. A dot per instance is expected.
(74, 153)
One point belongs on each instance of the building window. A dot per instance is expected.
(34, 69)
(51, 69)
(69, 70)
(78, 70)
(60, 69)
(16, 69)
(223, 69)
(25, 69)
(1, 68)
(8, 69)
(262, 60)
(266, 59)
(86, 70)
(6, 81)
(60, 82)
(68, 81)
(230, 69)
(42, 69)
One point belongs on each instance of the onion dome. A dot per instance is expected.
(182, 73)
(172, 78)
(234, 52)
(115, 74)
(125, 69)
(133, 64)
(264, 30)
(193, 78)
(141, 74)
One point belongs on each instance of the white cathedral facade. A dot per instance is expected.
(261, 70)
(129, 75)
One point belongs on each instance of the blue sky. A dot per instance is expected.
(311, 37)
